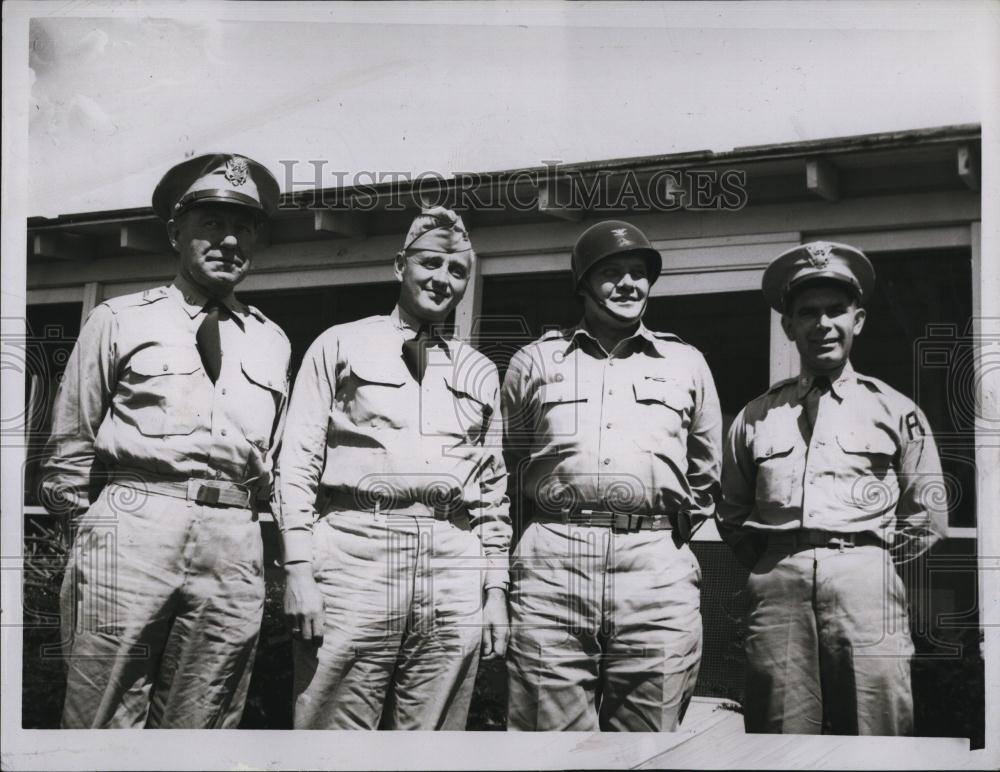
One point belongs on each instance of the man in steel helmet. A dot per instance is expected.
(828, 476)
(613, 441)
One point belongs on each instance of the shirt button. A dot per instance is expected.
(607, 462)
(223, 391)
(607, 425)
(610, 392)
(164, 368)
(223, 432)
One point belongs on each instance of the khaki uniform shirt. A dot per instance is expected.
(869, 464)
(638, 431)
(136, 397)
(359, 424)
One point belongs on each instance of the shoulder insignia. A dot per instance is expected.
(154, 294)
(914, 428)
(135, 299)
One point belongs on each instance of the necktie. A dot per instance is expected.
(208, 340)
(820, 386)
(415, 354)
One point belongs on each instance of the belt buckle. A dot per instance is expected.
(841, 541)
(202, 491)
(589, 517)
(622, 522)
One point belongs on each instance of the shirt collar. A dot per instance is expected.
(408, 325)
(193, 298)
(404, 322)
(643, 333)
(839, 385)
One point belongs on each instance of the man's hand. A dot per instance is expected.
(303, 603)
(496, 625)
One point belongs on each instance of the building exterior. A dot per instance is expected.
(910, 200)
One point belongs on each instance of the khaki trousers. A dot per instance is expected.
(161, 608)
(403, 602)
(828, 644)
(605, 630)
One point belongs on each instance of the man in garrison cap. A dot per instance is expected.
(162, 442)
(392, 504)
(827, 478)
(613, 443)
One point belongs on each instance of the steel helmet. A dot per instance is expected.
(612, 237)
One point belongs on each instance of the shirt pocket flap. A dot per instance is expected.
(469, 388)
(665, 392)
(165, 360)
(772, 444)
(866, 440)
(382, 373)
(265, 373)
(559, 392)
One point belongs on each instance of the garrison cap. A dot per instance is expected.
(437, 230)
(217, 178)
(609, 238)
(813, 261)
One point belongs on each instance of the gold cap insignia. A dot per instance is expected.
(237, 169)
(819, 254)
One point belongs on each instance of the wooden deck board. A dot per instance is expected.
(717, 740)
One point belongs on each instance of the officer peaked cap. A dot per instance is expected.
(217, 178)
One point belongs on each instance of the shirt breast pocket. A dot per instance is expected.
(467, 412)
(163, 391)
(561, 408)
(373, 396)
(777, 468)
(865, 453)
(663, 411)
(257, 405)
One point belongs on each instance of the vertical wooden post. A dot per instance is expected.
(784, 356)
(93, 293)
(468, 310)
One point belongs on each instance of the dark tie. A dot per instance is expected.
(208, 340)
(415, 353)
(820, 386)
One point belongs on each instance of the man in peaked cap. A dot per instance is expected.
(826, 478)
(391, 498)
(613, 442)
(163, 434)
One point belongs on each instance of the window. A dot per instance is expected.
(918, 339)
(52, 330)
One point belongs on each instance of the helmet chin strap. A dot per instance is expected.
(602, 304)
